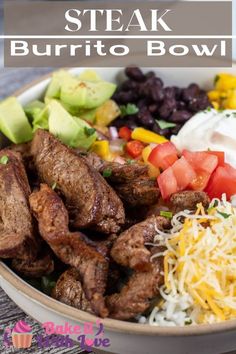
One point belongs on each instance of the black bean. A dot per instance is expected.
(178, 92)
(169, 92)
(153, 108)
(167, 108)
(135, 74)
(200, 103)
(144, 102)
(150, 74)
(152, 88)
(170, 103)
(157, 94)
(129, 121)
(180, 116)
(190, 92)
(128, 85)
(181, 105)
(124, 97)
(155, 81)
(145, 118)
(144, 90)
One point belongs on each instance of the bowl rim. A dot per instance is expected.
(110, 324)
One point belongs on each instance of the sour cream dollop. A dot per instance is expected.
(212, 130)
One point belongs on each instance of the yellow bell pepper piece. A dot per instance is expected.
(147, 137)
(215, 104)
(225, 82)
(146, 152)
(152, 170)
(102, 149)
(230, 101)
(106, 113)
(213, 95)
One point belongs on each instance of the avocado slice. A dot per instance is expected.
(89, 75)
(86, 94)
(40, 120)
(13, 121)
(70, 130)
(88, 115)
(58, 79)
(87, 135)
(33, 108)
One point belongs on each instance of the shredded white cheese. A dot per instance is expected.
(199, 267)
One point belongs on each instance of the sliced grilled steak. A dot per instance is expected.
(129, 249)
(42, 265)
(189, 200)
(136, 295)
(91, 202)
(71, 248)
(103, 246)
(140, 192)
(130, 181)
(16, 225)
(25, 151)
(119, 173)
(69, 290)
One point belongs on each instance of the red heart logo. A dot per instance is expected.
(89, 342)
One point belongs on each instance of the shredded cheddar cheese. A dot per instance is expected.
(200, 262)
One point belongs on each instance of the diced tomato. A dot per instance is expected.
(175, 178)
(183, 172)
(163, 155)
(203, 164)
(220, 155)
(125, 133)
(222, 181)
(134, 148)
(167, 183)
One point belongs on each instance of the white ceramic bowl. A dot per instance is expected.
(125, 337)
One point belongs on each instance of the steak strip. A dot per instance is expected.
(136, 295)
(120, 173)
(140, 192)
(16, 226)
(189, 200)
(70, 247)
(42, 265)
(130, 181)
(129, 249)
(91, 202)
(69, 290)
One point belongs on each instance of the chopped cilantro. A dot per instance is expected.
(208, 109)
(89, 131)
(54, 186)
(4, 160)
(225, 215)
(215, 204)
(107, 172)
(188, 321)
(166, 214)
(130, 161)
(128, 110)
(216, 79)
(47, 284)
(163, 124)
